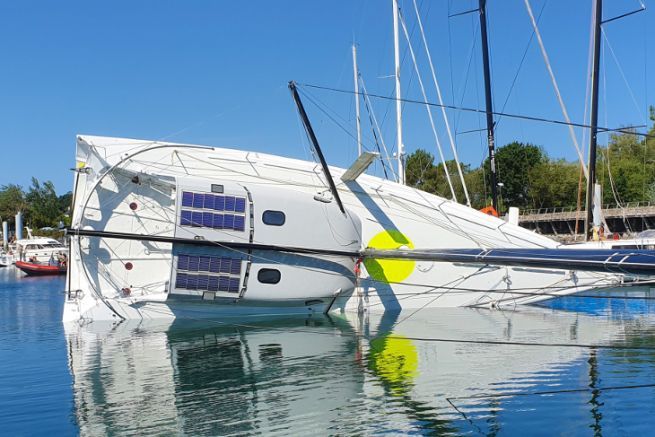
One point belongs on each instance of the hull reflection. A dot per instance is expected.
(345, 374)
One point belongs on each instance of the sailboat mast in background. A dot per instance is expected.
(488, 103)
(591, 181)
(399, 108)
(356, 78)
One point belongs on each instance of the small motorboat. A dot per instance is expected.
(39, 269)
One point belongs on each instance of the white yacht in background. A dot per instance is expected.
(40, 250)
(7, 258)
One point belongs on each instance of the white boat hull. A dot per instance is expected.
(143, 188)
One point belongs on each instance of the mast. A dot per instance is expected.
(399, 124)
(356, 78)
(488, 103)
(591, 181)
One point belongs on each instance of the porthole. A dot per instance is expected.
(273, 218)
(268, 276)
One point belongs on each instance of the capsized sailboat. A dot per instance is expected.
(174, 230)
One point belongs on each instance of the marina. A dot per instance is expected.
(402, 263)
(575, 366)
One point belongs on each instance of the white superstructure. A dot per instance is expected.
(180, 230)
(39, 249)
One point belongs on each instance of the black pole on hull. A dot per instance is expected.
(315, 145)
(593, 137)
(488, 104)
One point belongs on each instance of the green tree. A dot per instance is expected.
(12, 200)
(43, 204)
(514, 163)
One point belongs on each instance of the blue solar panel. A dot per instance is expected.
(228, 221)
(226, 265)
(207, 219)
(185, 219)
(212, 283)
(235, 267)
(234, 285)
(239, 223)
(183, 262)
(196, 218)
(209, 201)
(218, 221)
(223, 283)
(192, 282)
(181, 280)
(203, 264)
(219, 203)
(193, 263)
(187, 198)
(240, 204)
(215, 265)
(229, 203)
(198, 200)
(203, 281)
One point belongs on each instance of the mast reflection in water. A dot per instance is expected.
(346, 374)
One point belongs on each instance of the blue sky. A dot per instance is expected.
(216, 73)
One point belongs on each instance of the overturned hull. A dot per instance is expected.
(219, 231)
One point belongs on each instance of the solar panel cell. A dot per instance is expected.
(187, 199)
(198, 200)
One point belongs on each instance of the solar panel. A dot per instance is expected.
(226, 265)
(193, 263)
(183, 262)
(218, 221)
(228, 221)
(203, 281)
(196, 219)
(187, 199)
(207, 219)
(229, 203)
(239, 223)
(235, 267)
(223, 283)
(185, 219)
(203, 263)
(201, 272)
(219, 203)
(198, 200)
(240, 204)
(181, 280)
(212, 283)
(209, 201)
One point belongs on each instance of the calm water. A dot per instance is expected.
(395, 374)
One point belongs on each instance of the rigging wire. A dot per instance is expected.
(427, 107)
(482, 111)
(556, 87)
(443, 110)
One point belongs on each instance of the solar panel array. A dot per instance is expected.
(199, 211)
(208, 273)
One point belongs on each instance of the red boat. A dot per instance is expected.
(36, 269)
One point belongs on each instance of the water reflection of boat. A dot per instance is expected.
(348, 375)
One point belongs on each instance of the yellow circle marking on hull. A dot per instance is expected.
(389, 270)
